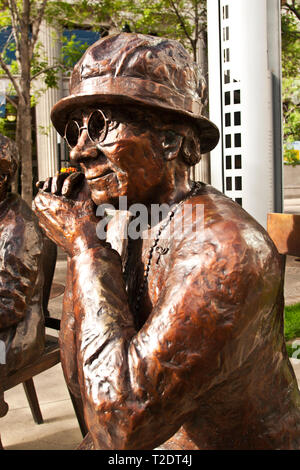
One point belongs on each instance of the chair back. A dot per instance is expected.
(284, 230)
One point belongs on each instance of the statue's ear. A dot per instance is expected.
(171, 143)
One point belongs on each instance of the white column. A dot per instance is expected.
(47, 149)
(214, 74)
(241, 103)
(201, 171)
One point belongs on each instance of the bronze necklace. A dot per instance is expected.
(159, 249)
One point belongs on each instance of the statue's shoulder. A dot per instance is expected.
(218, 221)
(15, 206)
(18, 221)
(23, 211)
(218, 209)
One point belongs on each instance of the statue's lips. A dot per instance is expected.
(95, 178)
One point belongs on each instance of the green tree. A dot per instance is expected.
(290, 77)
(185, 21)
(24, 19)
(291, 6)
(182, 20)
(177, 19)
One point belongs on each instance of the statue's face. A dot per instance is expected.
(119, 152)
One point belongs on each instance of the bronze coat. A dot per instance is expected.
(21, 316)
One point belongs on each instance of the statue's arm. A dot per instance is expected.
(67, 336)
(140, 387)
(20, 265)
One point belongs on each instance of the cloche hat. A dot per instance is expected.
(129, 68)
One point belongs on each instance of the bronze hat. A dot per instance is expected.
(138, 69)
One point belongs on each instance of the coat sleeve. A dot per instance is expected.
(140, 387)
(67, 337)
(20, 262)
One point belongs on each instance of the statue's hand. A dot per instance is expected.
(67, 213)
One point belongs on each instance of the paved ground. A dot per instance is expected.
(292, 206)
(60, 429)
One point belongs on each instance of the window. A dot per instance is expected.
(237, 118)
(10, 53)
(238, 183)
(238, 200)
(228, 183)
(237, 162)
(226, 55)
(227, 76)
(228, 141)
(227, 97)
(228, 162)
(237, 140)
(85, 37)
(225, 12)
(227, 119)
(226, 33)
(236, 96)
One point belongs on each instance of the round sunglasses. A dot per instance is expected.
(97, 127)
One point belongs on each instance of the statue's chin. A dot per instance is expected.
(104, 188)
(105, 197)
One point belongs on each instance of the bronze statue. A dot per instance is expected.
(179, 342)
(22, 332)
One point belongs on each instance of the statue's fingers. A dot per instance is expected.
(51, 211)
(57, 183)
(40, 202)
(84, 193)
(51, 203)
(72, 184)
(47, 184)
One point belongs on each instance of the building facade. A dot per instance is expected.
(245, 102)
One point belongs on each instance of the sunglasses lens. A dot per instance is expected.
(97, 126)
(72, 133)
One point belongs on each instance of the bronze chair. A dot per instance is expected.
(50, 356)
(284, 229)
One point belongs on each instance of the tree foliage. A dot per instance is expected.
(291, 6)
(177, 19)
(23, 59)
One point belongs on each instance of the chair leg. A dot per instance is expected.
(78, 408)
(3, 404)
(33, 401)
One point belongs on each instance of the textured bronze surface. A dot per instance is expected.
(22, 332)
(21, 245)
(202, 364)
(138, 69)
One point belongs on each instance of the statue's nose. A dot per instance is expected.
(85, 148)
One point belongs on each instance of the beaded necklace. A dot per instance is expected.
(160, 250)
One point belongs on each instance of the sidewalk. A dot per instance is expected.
(292, 206)
(60, 429)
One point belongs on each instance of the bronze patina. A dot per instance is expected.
(22, 333)
(173, 342)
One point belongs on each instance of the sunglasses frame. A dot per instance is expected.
(80, 128)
